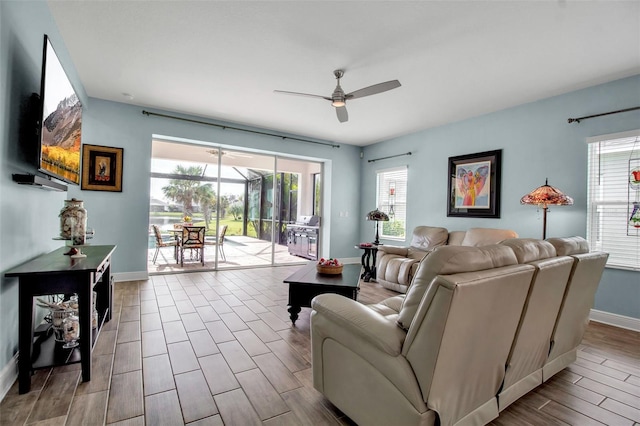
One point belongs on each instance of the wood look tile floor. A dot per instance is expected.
(217, 348)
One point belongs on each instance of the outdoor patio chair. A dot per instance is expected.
(160, 243)
(219, 241)
(192, 239)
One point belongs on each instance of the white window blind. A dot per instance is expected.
(392, 199)
(610, 199)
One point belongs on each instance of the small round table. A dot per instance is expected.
(368, 261)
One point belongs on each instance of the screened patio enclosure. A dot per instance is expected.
(254, 195)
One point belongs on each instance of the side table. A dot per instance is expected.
(55, 273)
(368, 261)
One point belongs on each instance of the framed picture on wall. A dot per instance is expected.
(101, 168)
(474, 185)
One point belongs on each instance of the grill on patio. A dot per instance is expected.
(302, 237)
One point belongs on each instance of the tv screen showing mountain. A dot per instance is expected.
(60, 133)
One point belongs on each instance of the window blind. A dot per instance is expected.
(392, 199)
(610, 198)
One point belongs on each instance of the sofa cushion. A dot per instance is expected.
(389, 308)
(387, 249)
(417, 254)
(450, 260)
(476, 237)
(456, 238)
(396, 269)
(530, 249)
(429, 237)
(569, 245)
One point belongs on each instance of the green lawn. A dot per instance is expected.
(234, 227)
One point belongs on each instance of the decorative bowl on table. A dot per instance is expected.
(329, 266)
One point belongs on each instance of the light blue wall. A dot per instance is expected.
(537, 143)
(28, 216)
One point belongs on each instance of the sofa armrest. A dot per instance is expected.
(354, 318)
(385, 249)
(346, 334)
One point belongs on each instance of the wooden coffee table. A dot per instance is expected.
(306, 283)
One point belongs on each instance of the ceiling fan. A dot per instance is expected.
(339, 99)
(232, 154)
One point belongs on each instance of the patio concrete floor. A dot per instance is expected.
(240, 252)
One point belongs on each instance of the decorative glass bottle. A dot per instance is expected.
(73, 221)
(71, 330)
(73, 303)
(94, 311)
(94, 318)
(57, 320)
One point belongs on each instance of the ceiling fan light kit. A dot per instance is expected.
(338, 96)
(339, 99)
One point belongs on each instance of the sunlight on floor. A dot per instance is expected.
(240, 251)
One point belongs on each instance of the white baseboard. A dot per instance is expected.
(616, 320)
(8, 376)
(131, 276)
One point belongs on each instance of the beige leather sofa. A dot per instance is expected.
(576, 304)
(437, 355)
(531, 344)
(396, 266)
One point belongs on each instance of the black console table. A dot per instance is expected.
(306, 283)
(55, 273)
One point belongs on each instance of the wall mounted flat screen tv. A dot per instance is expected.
(61, 121)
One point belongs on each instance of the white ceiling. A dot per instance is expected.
(455, 60)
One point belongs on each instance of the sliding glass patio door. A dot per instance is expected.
(244, 199)
(253, 246)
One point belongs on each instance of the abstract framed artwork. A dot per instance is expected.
(101, 168)
(474, 185)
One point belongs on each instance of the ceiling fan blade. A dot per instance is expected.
(373, 90)
(301, 94)
(342, 114)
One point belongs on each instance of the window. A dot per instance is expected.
(611, 196)
(392, 199)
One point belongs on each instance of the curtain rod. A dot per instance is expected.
(391, 156)
(148, 113)
(577, 120)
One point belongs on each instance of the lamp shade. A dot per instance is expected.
(547, 195)
(378, 216)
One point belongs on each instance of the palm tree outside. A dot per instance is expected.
(206, 197)
(184, 191)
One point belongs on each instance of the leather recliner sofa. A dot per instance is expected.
(478, 328)
(396, 266)
(577, 302)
